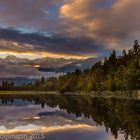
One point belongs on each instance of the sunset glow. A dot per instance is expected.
(27, 129)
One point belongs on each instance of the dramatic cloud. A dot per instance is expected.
(64, 28)
(68, 27)
(111, 22)
(19, 42)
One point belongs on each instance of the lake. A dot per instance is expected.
(68, 117)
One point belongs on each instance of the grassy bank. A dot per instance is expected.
(105, 94)
(27, 92)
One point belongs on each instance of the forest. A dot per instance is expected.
(113, 73)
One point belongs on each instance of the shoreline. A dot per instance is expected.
(106, 94)
(27, 92)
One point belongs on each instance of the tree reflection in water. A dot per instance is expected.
(117, 115)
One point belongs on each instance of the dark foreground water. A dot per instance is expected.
(68, 117)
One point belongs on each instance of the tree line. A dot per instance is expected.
(6, 85)
(113, 73)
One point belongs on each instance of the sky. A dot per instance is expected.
(67, 28)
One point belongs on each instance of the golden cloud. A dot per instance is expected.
(34, 55)
(112, 25)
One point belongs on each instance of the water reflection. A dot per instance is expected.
(118, 116)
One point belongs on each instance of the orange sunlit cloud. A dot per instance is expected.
(34, 55)
(106, 22)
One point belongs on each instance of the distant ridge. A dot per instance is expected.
(81, 64)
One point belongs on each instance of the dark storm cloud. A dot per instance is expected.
(55, 43)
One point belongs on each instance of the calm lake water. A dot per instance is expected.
(68, 117)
